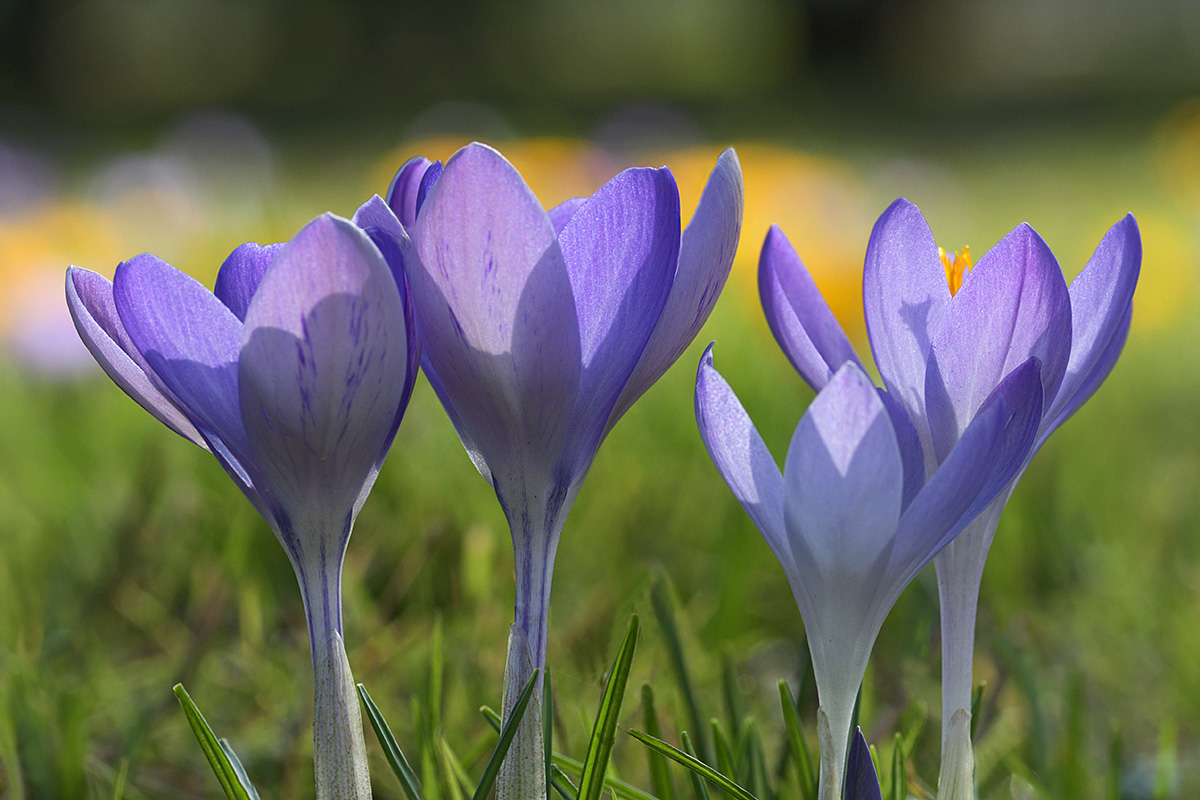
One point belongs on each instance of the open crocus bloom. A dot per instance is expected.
(294, 373)
(944, 336)
(852, 518)
(540, 329)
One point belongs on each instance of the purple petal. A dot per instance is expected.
(1099, 372)
(1101, 301)
(323, 364)
(189, 338)
(988, 455)
(705, 256)
(238, 277)
(862, 782)
(427, 181)
(740, 455)
(843, 481)
(561, 214)
(621, 249)
(911, 454)
(798, 315)
(378, 222)
(497, 317)
(90, 300)
(904, 295)
(1012, 306)
(402, 194)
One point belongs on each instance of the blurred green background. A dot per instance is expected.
(185, 127)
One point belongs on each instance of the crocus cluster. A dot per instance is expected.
(979, 366)
(294, 372)
(540, 330)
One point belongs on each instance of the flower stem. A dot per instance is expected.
(339, 750)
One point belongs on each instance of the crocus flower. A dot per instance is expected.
(862, 781)
(294, 373)
(944, 335)
(853, 518)
(540, 329)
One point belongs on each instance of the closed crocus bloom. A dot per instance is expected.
(944, 335)
(852, 517)
(294, 373)
(539, 330)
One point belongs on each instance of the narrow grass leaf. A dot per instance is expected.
(548, 729)
(733, 695)
(664, 612)
(976, 706)
(660, 775)
(899, 784)
(699, 787)
(391, 750)
(217, 759)
(604, 732)
(695, 765)
(621, 789)
(507, 733)
(458, 782)
(806, 779)
(562, 784)
(725, 760)
(238, 769)
(1116, 755)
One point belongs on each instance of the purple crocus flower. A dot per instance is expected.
(540, 329)
(853, 518)
(944, 335)
(294, 373)
(862, 781)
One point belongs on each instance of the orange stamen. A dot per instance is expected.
(957, 265)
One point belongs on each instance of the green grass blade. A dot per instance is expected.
(217, 759)
(733, 695)
(699, 787)
(1116, 749)
(238, 769)
(625, 791)
(548, 730)
(695, 765)
(562, 784)
(660, 775)
(976, 705)
(806, 778)
(457, 779)
(725, 760)
(664, 612)
(507, 734)
(437, 671)
(391, 750)
(604, 732)
(756, 761)
(899, 785)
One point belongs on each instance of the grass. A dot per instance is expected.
(129, 563)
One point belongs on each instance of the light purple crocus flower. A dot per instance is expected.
(941, 350)
(294, 373)
(540, 329)
(853, 518)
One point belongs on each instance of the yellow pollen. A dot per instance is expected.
(957, 266)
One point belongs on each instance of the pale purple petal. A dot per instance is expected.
(561, 214)
(911, 455)
(862, 782)
(323, 364)
(1101, 299)
(378, 222)
(987, 457)
(843, 483)
(189, 338)
(496, 314)
(805, 328)
(1012, 306)
(238, 277)
(904, 295)
(621, 248)
(1099, 372)
(705, 256)
(90, 300)
(741, 456)
(402, 193)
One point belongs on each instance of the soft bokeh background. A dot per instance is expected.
(185, 127)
